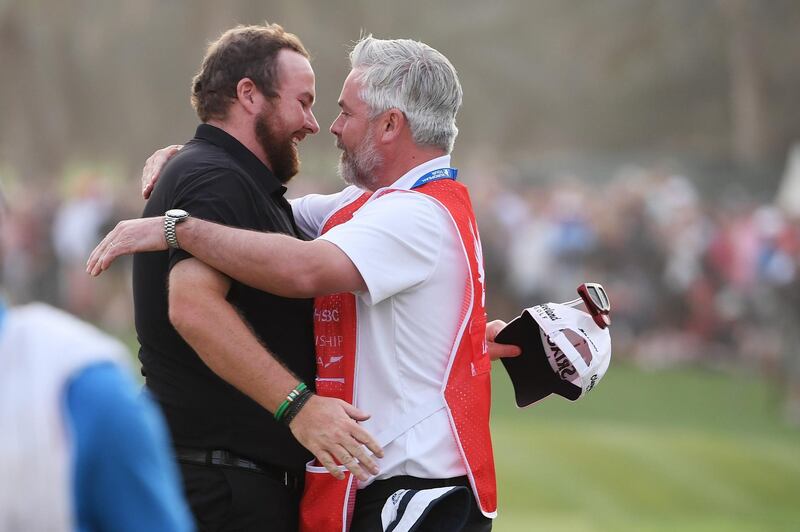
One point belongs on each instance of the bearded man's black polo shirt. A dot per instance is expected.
(214, 177)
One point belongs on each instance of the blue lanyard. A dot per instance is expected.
(2, 314)
(435, 175)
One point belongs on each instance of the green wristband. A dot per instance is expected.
(281, 411)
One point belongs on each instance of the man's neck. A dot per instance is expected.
(245, 134)
(397, 167)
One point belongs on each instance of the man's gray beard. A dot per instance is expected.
(358, 168)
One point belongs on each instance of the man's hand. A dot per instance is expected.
(327, 427)
(154, 164)
(496, 350)
(128, 237)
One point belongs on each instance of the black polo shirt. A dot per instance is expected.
(214, 177)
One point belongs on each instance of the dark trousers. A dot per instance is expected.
(225, 499)
(370, 501)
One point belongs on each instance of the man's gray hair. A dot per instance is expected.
(414, 78)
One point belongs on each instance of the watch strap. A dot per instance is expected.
(169, 232)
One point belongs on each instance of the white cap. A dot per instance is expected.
(563, 351)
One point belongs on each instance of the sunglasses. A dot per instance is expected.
(594, 296)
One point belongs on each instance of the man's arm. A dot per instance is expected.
(124, 474)
(303, 269)
(201, 314)
(271, 262)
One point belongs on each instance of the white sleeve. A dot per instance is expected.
(394, 241)
(311, 211)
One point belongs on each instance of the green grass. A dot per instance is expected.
(673, 450)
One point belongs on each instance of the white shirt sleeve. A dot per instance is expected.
(311, 211)
(394, 241)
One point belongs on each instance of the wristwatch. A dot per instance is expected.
(172, 218)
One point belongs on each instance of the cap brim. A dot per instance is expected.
(531, 375)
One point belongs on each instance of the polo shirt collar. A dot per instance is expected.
(409, 178)
(242, 155)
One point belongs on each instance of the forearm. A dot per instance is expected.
(226, 345)
(199, 311)
(272, 262)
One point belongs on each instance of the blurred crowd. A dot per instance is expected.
(707, 280)
(693, 280)
(49, 233)
(713, 281)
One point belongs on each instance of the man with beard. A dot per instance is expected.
(397, 272)
(218, 355)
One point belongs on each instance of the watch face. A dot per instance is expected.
(177, 213)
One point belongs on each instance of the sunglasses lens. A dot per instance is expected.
(594, 296)
(598, 297)
(597, 303)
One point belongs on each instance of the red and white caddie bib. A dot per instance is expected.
(466, 391)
